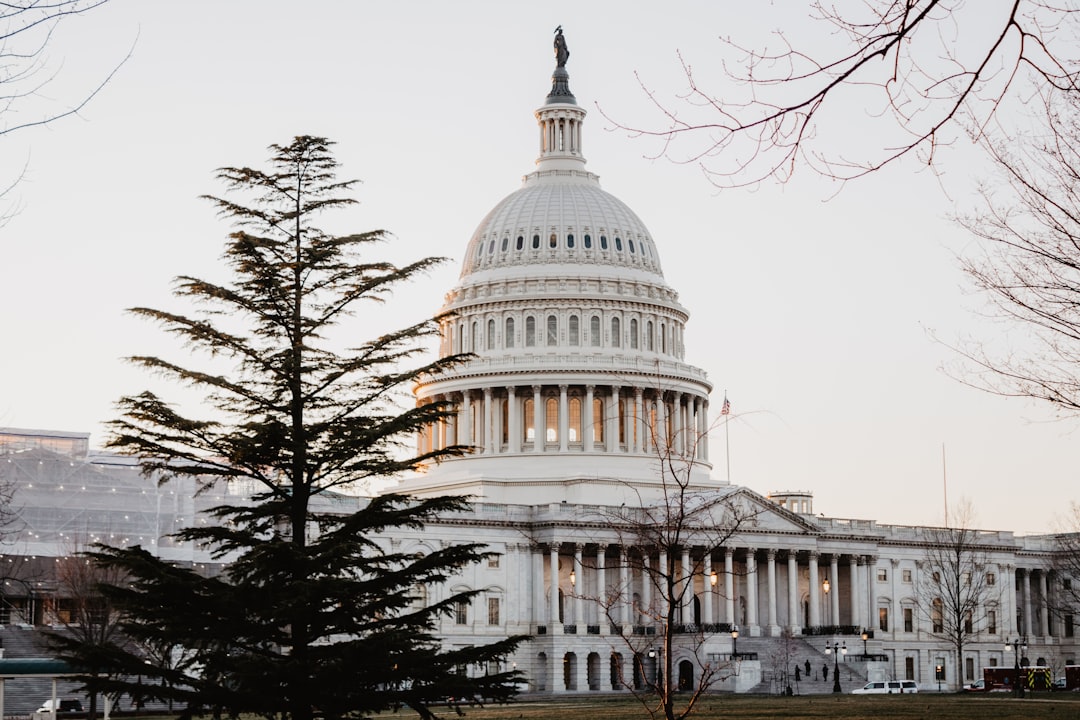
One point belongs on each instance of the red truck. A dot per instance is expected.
(1033, 678)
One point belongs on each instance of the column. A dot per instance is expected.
(485, 421)
(646, 587)
(626, 594)
(513, 421)
(1044, 605)
(895, 611)
(834, 580)
(451, 426)
(708, 595)
(1009, 621)
(793, 591)
(853, 578)
(1027, 602)
(539, 426)
(441, 429)
(871, 596)
(611, 422)
(604, 599)
(815, 590)
(564, 419)
(662, 573)
(538, 613)
(751, 593)
(661, 436)
(704, 441)
(687, 582)
(588, 431)
(770, 555)
(553, 590)
(676, 407)
(579, 601)
(639, 423)
(466, 418)
(729, 589)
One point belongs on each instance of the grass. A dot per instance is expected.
(924, 706)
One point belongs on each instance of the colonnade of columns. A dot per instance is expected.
(1033, 603)
(611, 588)
(571, 418)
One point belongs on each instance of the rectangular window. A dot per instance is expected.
(882, 575)
(993, 662)
(461, 612)
(905, 575)
(991, 579)
(883, 619)
(909, 621)
(969, 668)
(493, 611)
(909, 668)
(969, 624)
(493, 561)
(1068, 626)
(991, 622)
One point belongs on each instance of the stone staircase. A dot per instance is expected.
(779, 657)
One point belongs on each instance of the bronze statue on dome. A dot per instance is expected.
(562, 53)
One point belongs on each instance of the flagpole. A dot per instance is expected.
(725, 410)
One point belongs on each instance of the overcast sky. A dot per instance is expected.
(815, 311)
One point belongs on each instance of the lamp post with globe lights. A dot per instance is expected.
(1017, 646)
(835, 650)
(735, 642)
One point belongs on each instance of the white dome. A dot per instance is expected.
(561, 217)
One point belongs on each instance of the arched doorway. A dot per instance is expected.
(686, 675)
(569, 671)
(616, 671)
(592, 670)
(542, 671)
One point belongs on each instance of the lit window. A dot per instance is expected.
(883, 619)
(598, 419)
(461, 612)
(882, 574)
(553, 241)
(551, 420)
(530, 417)
(493, 611)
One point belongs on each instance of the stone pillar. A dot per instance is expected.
(1044, 604)
(894, 595)
(611, 422)
(440, 440)
(579, 587)
(638, 420)
(538, 613)
(588, 432)
(729, 586)
(1009, 621)
(834, 580)
(553, 594)
(663, 571)
(539, 425)
(646, 586)
(774, 627)
(564, 419)
(814, 590)
(871, 596)
(676, 407)
(603, 598)
(853, 577)
(513, 420)
(1027, 602)
(704, 441)
(751, 593)
(661, 436)
(687, 582)
(466, 418)
(793, 592)
(708, 595)
(626, 593)
(486, 422)
(452, 425)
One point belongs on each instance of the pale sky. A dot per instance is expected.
(814, 310)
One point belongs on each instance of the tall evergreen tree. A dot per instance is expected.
(311, 615)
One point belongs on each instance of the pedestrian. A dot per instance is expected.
(807, 668)
(825, 672)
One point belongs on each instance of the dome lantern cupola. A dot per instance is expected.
(560, 118)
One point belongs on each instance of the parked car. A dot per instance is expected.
(977, 686)
(66, 706)
(888, 687)
(1060, 684)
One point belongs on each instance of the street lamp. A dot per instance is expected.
(735, 642)
(1017, 646)
(835, 650)
(825, 586)
(865, 636)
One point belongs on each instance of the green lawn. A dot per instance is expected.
(924, 706)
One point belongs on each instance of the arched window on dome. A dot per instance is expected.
(491, 334)
(551, 420)
(508, 340)
(588, 241)
(598, 420)
(594, 331)
(618, 244)
(603, 242)
(630, 244)
(552, 331)
(536, 242)
(505, 244)
(574, 331)
(570, 240)
(520, 242)
(649, 336)
(491, 246)
(633, 334)
(616, 332)
(460, 338)
(574, 431)
(645, 248)
(529, 416)
(530, 331)
(475, 336)
(553, 241)
(663, 338)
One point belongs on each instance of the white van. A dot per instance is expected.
(888, 687)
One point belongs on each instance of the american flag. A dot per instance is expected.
(726, 408)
